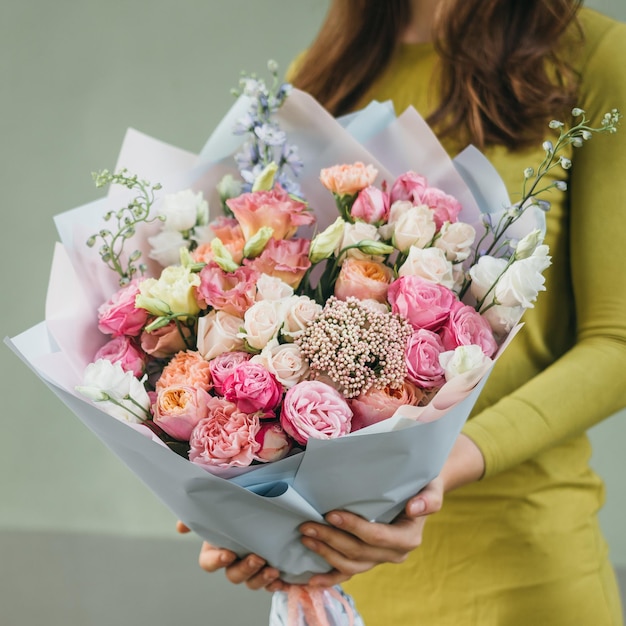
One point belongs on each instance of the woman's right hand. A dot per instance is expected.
(251, 570)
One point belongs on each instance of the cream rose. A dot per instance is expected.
(262, 322)
(430, 264)
(412, 225)
(218, 332)
(272, 288)
(285, 361)
(353, 234)
(299, 312)
(456, 240)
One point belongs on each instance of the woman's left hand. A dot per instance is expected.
(353, 545)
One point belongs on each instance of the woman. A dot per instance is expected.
(517, 541)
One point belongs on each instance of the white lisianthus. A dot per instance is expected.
(523, 280)
(528, 244)
(300, 311)
(285, 361)
(430, 264)
(117, 392)
(456, 240)
(262, 322)
(502, 319)
(184, 210)
(173, 292)
(166, 247)
(325, 242)
(353, 234)
(218, 332)
(272, 288)
(463, 360)
(484, 274)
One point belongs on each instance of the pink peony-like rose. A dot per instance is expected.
(377, 405)
(165, 341)
(446, 208)
(275, 208)
(371, 206)
(347, 180)
(466, 327)
(287, 259)
(179, 408)
(123, 350)
(409, 186)
(422, 303)
(187, 368)
(120, 316)
(252, 388)
(274, 441)
(232, 292)
(422, 359)
(363, 279)
(223, 366)
(226, 438)
(314, 409)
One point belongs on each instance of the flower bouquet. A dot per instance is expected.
(313, 341)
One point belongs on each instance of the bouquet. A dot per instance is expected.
(298, 319)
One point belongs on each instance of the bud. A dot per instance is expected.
(375, 248)
(274, 442)
(228, 187)
(547, 146)
(222, 256)
(554, 124)
(527, 245)
(265, 180)
(576, 112)
(529, 172)
(325, 242)
(256, 244)
(561, 185)
(565, 163)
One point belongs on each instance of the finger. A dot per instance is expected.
(428, 500)
(265, 577)
(329, 579)
(181, 528)
(245, 569)
(343, 564)
(212, 559)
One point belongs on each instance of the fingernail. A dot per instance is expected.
(255, 561)
(311, 544)
(335, 519)
(226, 558)
(270, 575)
(418, 507)
(309, 532)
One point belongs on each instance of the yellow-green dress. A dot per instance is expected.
(522, 547)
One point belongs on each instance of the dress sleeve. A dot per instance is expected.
(588, 383)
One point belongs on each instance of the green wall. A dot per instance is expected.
(74, 74)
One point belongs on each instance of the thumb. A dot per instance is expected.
(428, 500)
(181, 528)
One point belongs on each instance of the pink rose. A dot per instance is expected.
(165, 341)
(363, 279)
(287, 259)
(446, 207)
(422, 359)
(252, 388)
(371, 206)
(226, 438)
(377, 405)
(275, 208)
(314, 409)
(422, 303)
(232, 292)
(347, 180)
(274, 442)
(223, 366)
(122, 350)
(466, 327)
(179, 408)
(120, 316)
(409, 186)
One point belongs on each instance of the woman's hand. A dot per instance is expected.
(251, 570)
(353, 545)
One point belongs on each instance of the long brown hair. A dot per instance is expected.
(502, 72)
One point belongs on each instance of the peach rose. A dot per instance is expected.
(179, 408)
(228, 231)
(363, 279)
(186, 368)
(165, 341)
(347, 180)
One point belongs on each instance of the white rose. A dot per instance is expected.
(412, 225)
(430, 264)
(463, 360)
(262, 322)
(456, 240)
(166, 247)
(300, 311)
(484, 274)
(117, 392)
(502, 319)
(272, 288)
(353, 234)
(183, 210)
(218, 332)
(285, 361)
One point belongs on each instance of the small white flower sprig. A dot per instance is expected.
(267, 143)
(127, 218)
(575, 136)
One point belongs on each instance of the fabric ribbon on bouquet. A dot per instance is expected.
(313, 606)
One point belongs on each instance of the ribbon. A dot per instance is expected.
(310, 604)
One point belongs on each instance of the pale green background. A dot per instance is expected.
(81, 540)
